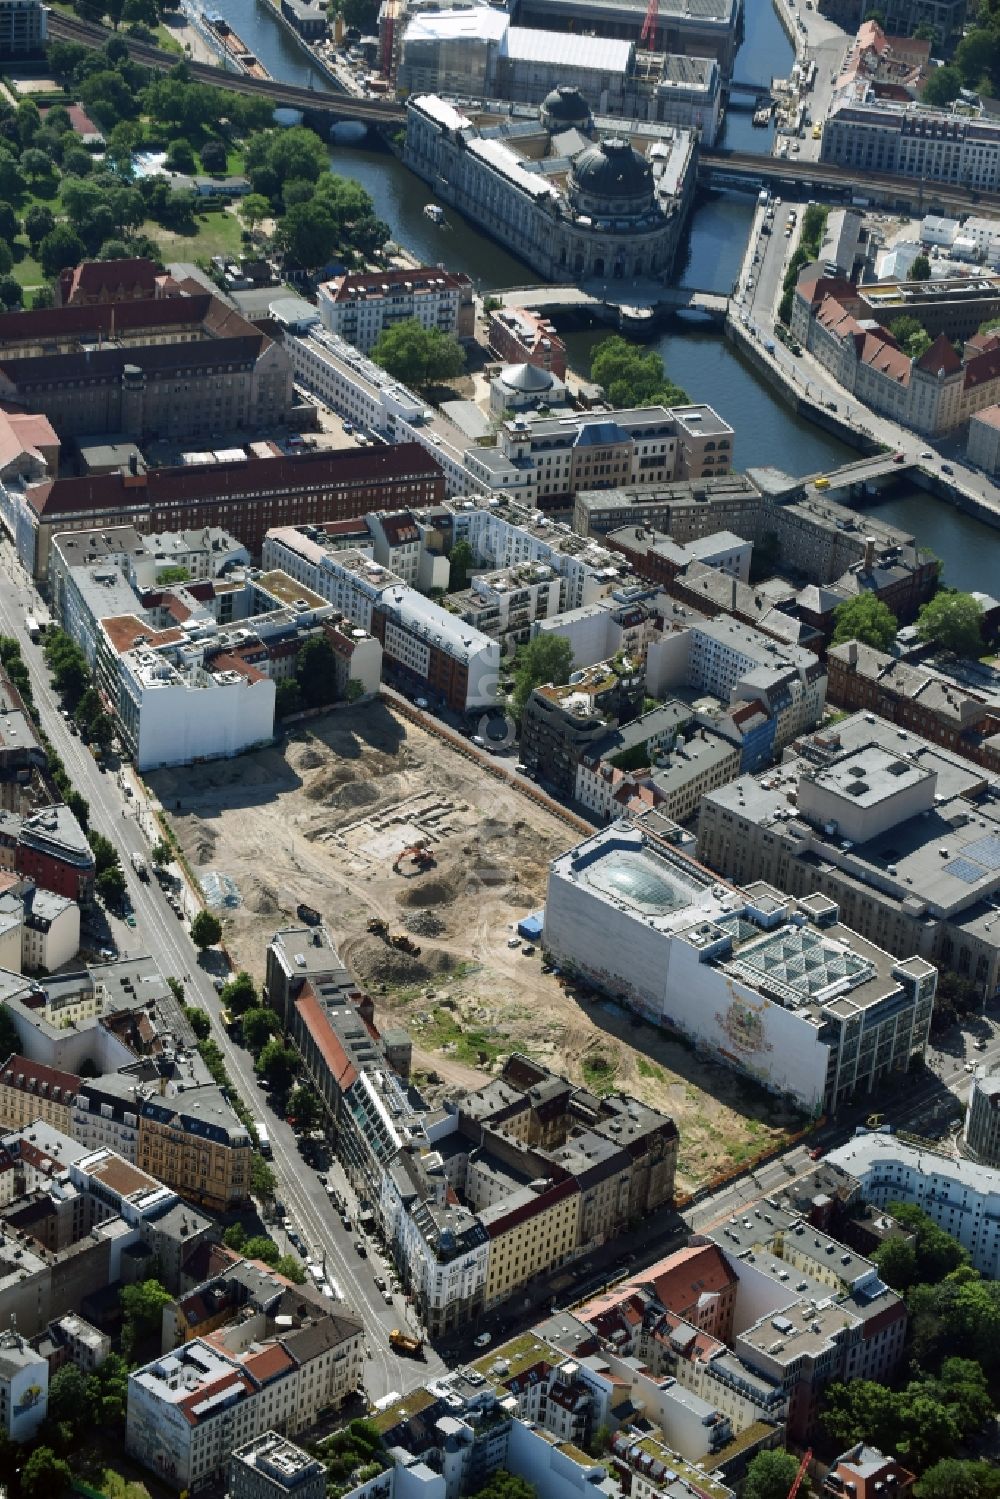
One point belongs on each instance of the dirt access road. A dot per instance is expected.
(321, 819)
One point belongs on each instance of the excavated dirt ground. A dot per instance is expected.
(321, 818)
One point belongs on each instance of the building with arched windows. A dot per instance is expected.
(578, 198)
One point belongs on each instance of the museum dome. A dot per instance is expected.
(565, 108)
(613, 170)
(527, 378)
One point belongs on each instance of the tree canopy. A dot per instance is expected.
(206, 930)
(279, 1064)
(240, 993)
(920, 270)
(865, 618)
(547, 658)
(952, 621)
(943, 85)
(770, 1475)
(633, 376)
(911, 335)
(417, 355)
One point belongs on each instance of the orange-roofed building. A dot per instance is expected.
(863, 1473)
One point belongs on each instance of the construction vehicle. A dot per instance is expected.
(803, 1465)
(418, 854)
(402, 1342)
(379, 927)
(402, 943)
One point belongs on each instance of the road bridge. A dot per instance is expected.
(338, 106)
(635, 302)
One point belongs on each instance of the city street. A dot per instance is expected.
(823, 42)
(159, 933)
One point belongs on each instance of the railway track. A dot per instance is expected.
(342, 106)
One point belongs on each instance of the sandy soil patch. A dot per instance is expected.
(322, 818)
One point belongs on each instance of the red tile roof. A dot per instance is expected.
(211, 481)
(38, 1079)
(270, 1363)
(940, 357)
(682, 1278)
(316, 1023)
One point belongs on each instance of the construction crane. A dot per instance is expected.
(803, 1465)
(649, 25)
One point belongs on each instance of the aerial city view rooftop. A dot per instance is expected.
(499, 749)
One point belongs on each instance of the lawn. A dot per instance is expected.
(26, 271)
(217, 234)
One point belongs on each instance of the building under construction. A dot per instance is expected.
(477, 54)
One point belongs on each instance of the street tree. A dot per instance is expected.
(240, 993)
(864, 618)
(259, 1025)
(111, 887)
(279, 1064)
(952, 621)
(303, 1107)
(206, 930)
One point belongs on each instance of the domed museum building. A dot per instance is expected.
(578, 198)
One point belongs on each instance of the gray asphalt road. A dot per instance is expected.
(159, 933)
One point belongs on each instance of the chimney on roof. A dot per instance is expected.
(852, 653)
(869, 553)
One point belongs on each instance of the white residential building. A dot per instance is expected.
(739, 664)
(426, 645)
(173, 712)
(359, 305)
(329, 367)
(39, 930)
(962, 1196)
(188, 1410)
(24, 1387)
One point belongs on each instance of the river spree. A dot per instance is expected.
(701, 361)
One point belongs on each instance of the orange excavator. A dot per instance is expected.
(418, 854)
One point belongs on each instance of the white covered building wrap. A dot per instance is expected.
(770, 985)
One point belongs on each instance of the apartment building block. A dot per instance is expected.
(961, 1196)
(245, 497)
(49, 848)
(30, 1090)
(982, 1121)
(272, 1467)
(422, 644)
(544, 461)
(189, 1410)
(174, 366)
(360, 306)
(917, 696)
(23, 28)
(561, 723)
(895, 830)
(518, 336)
(194, 1143)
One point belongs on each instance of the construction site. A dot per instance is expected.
(421, 863)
